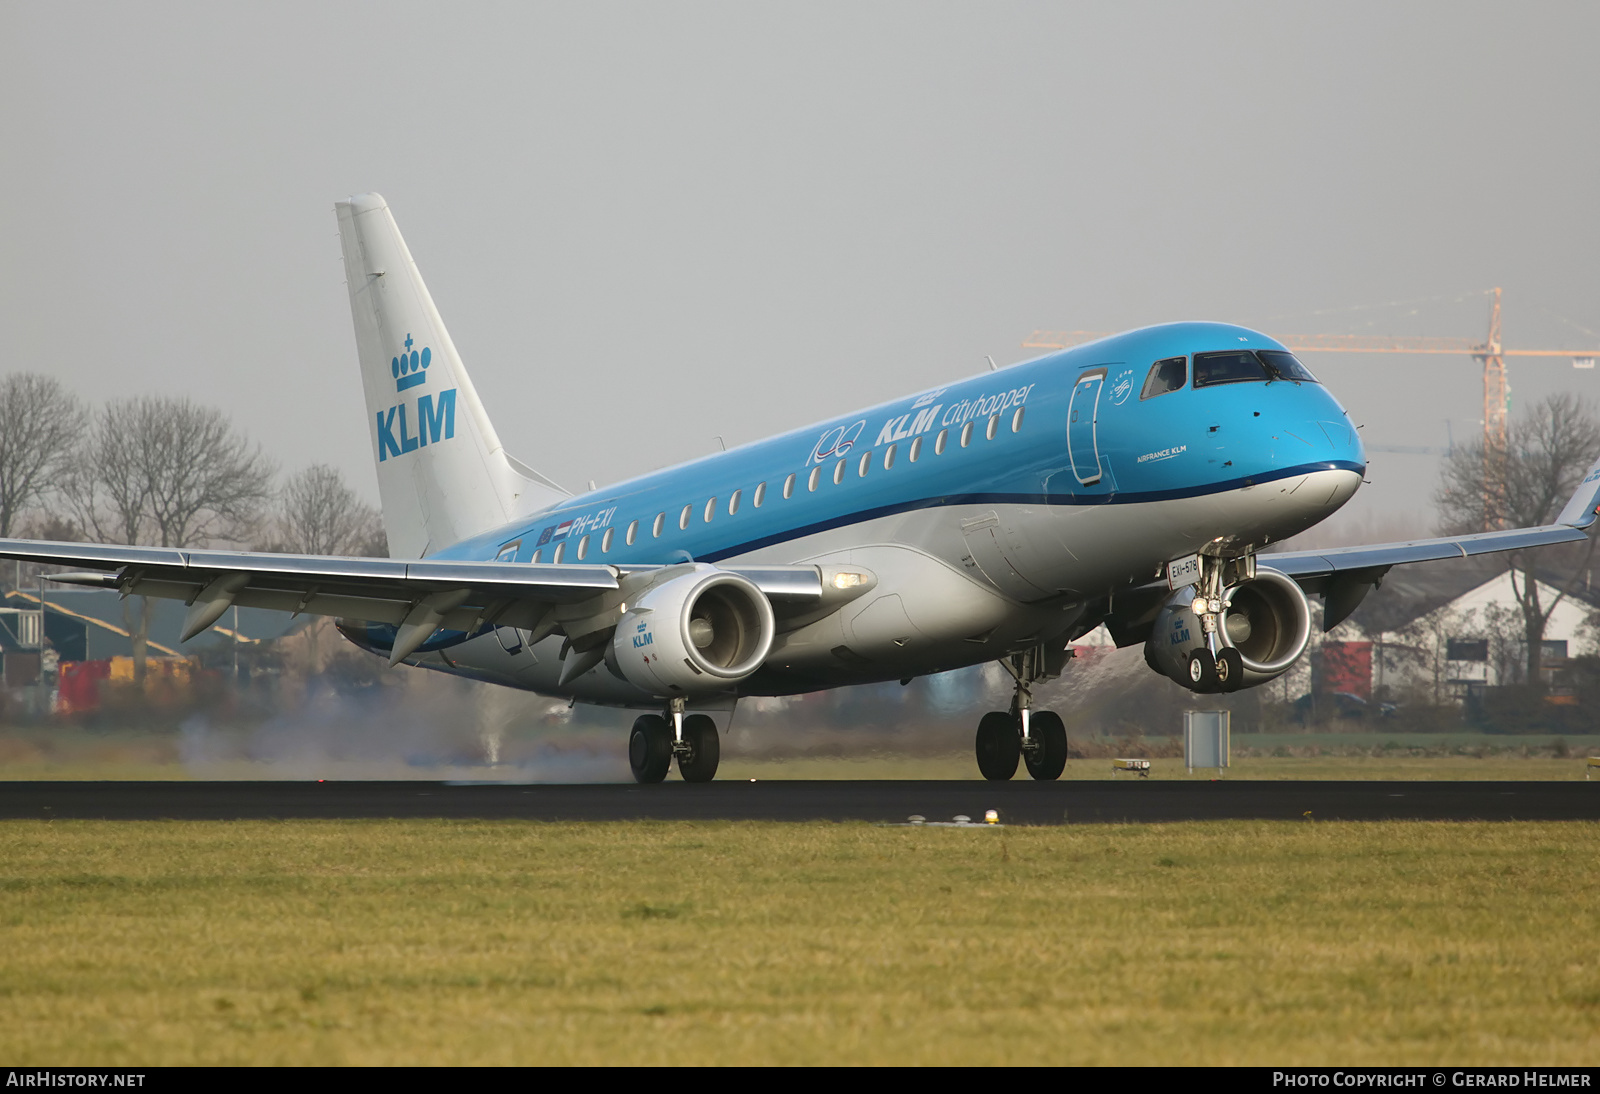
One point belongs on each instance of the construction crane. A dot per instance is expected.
(1490, 352)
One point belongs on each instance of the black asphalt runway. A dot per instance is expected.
(1020, 802)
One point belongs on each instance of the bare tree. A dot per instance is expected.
(320, 515)
(1547, 452)
(40, 423)
(170, 472)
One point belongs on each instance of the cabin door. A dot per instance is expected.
(1083, 443)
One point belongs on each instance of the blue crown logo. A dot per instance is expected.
(408, 367)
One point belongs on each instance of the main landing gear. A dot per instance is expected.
(691, 739)
(1036, 737)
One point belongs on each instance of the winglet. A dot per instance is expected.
(1581, 510)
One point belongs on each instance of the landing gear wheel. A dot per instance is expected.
(1202, 671)
(1048, 758)
(1230, 669)
(999, 746)
(700, 734)
(650, 748)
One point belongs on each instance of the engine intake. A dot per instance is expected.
(1266, 619)
(694, 634)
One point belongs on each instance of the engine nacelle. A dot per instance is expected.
(694, 634)
(1266, 619)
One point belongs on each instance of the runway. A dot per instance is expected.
(1020, 802)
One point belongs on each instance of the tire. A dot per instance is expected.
(999, 746)
(650, 748)
(1230, 669)
(1202, 671)
(1048, 760)
(705, 749)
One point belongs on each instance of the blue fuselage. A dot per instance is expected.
(1077, 428)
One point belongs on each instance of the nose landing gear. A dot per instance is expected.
(691, 739)
(1216, 666)
(1037, 738)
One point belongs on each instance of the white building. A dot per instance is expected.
(1475, 640)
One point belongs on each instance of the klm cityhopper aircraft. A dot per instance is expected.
(1130, 482)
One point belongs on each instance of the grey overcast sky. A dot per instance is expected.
(649, 224)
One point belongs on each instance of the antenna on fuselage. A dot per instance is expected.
(992, 366)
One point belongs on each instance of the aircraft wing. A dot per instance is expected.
(1344, 575)
(418, 595)
(1312, 569)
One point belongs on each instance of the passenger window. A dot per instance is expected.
(561, 549)
(838, 473)
(888, 456)
(816, 476)
(711, 509)
(1016, 421)
(866, 464)
(1234, 366)
(536, 555)
(994, 427)
(583, 547)
(788, 487)
(916, 449)
(683, 517)
(761, 495)
(633, 532)
(605, 541)
(1165, 376)
(661, 522)
(938, 442)
(966, 435)
(733, 502)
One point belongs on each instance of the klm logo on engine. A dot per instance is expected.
(435, 420)
(643, 637)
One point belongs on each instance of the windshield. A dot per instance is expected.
(1235, 366)
(1287, 366)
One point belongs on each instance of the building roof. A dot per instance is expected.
(106, 613)
(1411, 592)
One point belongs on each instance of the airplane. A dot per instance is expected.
(1133, 482)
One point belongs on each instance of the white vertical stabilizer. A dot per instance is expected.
(442, 474)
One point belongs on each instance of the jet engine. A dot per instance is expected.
(1266, 619)
(694, 634)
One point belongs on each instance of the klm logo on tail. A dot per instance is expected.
(435, 422)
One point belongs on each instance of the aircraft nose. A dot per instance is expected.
(1344, 442)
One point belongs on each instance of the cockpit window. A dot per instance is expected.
(1287, 366)
(1165, 376)
(1235, 366)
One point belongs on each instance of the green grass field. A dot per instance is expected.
(510, 942)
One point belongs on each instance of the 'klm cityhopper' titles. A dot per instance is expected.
(435, 421)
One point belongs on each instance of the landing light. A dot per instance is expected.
(846, 580)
